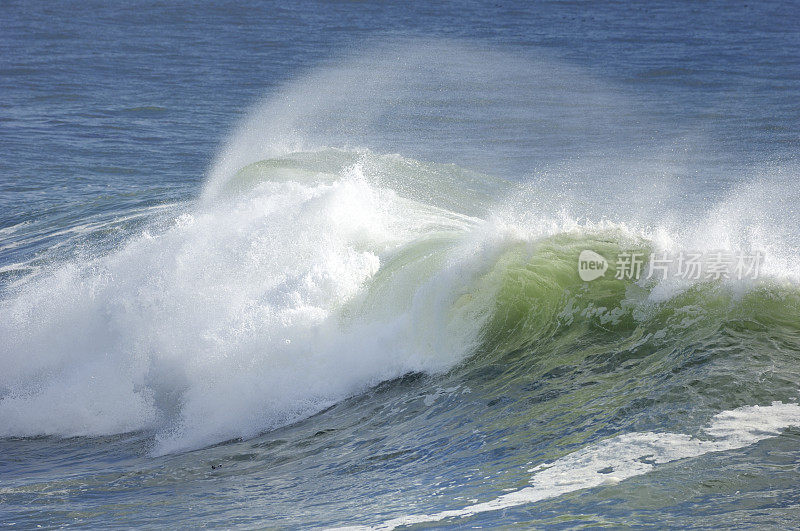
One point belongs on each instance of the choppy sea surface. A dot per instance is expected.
(316, 264)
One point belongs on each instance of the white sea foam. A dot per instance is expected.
(241, 318)
(628, 455)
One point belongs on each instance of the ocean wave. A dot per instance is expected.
(311, 277)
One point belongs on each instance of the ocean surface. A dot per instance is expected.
(318, 264)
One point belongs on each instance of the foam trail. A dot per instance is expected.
(629, 455)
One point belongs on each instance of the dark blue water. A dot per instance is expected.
(174, 356)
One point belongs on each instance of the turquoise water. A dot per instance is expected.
(316, 265)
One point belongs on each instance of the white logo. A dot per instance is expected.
(591, 265)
